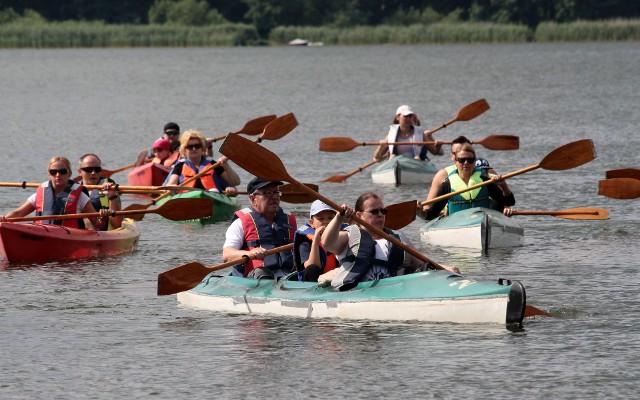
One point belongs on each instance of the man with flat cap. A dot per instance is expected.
(255, 229)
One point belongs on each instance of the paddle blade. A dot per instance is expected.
(472, 110)
(185, 209)
(633, 173)
(279, 127)
(136, 207)
(619, 188)
(336, 178)
(531, 311)
(592, 214)
(569, 156)
(181, 278)
(337, 144)
(254, 158)
(500, 142)
(400, 215)
(256, 126)
(292, 194)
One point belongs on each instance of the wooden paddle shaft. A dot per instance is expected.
(243, 260)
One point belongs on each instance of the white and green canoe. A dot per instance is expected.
(403, 170)
(476, 228)
(432, 296)
(222, 209)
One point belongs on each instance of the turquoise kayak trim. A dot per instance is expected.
(222, 210)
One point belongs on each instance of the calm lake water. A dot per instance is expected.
(96, 329)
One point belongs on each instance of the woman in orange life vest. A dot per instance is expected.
(309, 256)
(60, 195)
(192, 145)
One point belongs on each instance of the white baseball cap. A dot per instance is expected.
(317, 207)
(404, 110)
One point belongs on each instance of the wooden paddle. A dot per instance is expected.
(189, 275)
(342, 178)
(120, 188)
(175, 210)
(291, 194)
(633, 173)
(568, 156)
(619, 188)
(571, 213)
(466, 113)
(253, 127)
(266, 165)
(492, 142)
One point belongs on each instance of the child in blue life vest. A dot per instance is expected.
(310, 257)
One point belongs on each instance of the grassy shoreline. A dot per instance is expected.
(95, 34)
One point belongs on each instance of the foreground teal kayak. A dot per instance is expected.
(433, 296)
(404, 170)
(222, 209)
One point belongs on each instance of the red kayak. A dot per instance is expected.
(149, 174)
(24, 243)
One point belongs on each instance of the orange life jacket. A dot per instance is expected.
(45, 198)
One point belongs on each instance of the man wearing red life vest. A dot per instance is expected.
(255, 229)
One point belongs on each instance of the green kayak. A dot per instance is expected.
(433, 296)
(223, 206)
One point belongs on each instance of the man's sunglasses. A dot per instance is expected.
(90, 170)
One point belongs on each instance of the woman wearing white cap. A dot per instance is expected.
(406, 128)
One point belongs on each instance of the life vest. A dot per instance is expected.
(169, 161)
(99, 200)
(47, 203)
(360, 262)
(478, 197)
(210, 180)
(305, 234)
(392, 137)
(259, 233)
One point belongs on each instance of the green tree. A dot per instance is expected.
(184, 12)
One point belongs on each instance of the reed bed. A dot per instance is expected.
(612, 30)
(84, 34)
(96, 34)
(412, 34)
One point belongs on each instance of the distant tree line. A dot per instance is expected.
(265, 15)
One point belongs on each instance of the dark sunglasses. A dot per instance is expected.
(469, 160)
(193, 147)
(172, 133)
(377, 211)
(90, 170)
(61, 171)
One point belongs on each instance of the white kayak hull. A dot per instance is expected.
(475, 228)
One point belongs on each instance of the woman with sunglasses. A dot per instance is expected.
(192, 147)
(496, 195)
(363, 254)
(59, 195)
